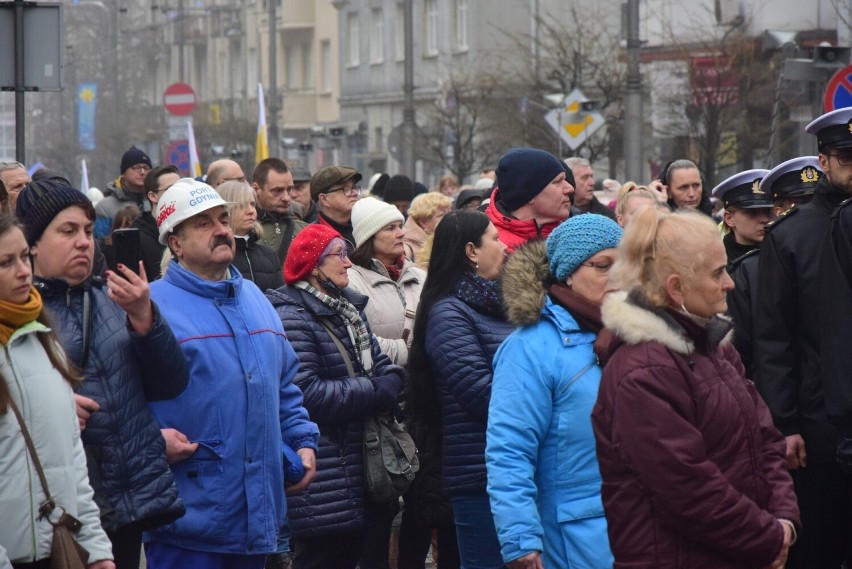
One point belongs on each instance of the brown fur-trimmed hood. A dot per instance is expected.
(633, 320)
(524, 283)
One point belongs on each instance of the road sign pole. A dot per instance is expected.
(20, 115)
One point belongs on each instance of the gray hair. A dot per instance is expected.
(681, 164)
(575, 161)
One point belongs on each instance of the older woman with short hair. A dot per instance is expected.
(425, 213)
(255, 261)
(694, 473)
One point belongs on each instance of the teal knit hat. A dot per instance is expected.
(577, 239)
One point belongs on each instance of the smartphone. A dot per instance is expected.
(126, 249)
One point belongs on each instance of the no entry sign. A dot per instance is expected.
(179, 99)
(838, 94)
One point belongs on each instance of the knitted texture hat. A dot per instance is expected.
(577, 239)
(132, 157)
(369, 215)
(39, 202)
(399, 188)
(305, 251)
(523, 173)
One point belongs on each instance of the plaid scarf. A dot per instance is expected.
(355, 325)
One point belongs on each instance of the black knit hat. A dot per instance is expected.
(523, 173)
(40, 201)
(132, 157)
(399, 188)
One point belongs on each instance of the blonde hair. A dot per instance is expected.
(657, 244)
(239, 195)
(634, 191)
(425, 205)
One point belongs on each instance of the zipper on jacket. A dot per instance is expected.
(579, 374)
(251, 269)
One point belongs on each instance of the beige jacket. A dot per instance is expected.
(387, 305)
(414, 240)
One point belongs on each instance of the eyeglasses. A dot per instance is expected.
(348, 191)
(843, 158)
(343, 254)
(599, 266)
(141, 168)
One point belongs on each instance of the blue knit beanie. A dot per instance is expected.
(132, 157)
(522, 173)
(577, 239)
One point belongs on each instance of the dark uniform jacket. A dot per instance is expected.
(835, 275)
(786, 324)
(742, 266)
(152, 251)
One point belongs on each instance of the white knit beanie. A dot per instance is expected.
(369, 215)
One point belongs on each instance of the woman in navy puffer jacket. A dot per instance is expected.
(458, 328)
(128, 356)
(328, 520)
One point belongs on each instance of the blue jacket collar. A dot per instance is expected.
(566, 324)
(190, 282)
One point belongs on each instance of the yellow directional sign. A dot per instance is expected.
(574, 125)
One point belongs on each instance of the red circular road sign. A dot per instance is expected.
(838, 94)
(179, 99)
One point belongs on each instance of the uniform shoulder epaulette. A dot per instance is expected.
(736, 262)
(844, 202)
(786, 215)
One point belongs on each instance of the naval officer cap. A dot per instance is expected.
(743, 191)
(793, 178)
(833, 130)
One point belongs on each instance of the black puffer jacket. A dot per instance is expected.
(334, 502)
(127, 462)
(258, 263)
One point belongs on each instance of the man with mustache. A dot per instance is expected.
(240, 407)
(532, 197)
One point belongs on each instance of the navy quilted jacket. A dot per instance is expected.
(125, 451)
(338, 404)
(461, 344)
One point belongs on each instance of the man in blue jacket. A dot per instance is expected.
(240, 407)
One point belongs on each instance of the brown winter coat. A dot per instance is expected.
(694, 474)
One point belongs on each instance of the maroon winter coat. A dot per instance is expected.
(694, 474)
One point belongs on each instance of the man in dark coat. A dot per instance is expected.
(748, 209)
(788, 328)
(156, 182)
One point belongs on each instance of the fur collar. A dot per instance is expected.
(523, 283)
(634, 320)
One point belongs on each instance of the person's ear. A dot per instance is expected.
(675, 289)
(729, 219)
(470, 251)
(174, 245)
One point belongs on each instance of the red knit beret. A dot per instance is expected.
(305, 251)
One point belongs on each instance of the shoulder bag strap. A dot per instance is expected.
(340, 347)
(48, 505)
(410, 313)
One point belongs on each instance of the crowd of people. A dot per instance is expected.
(643, 383)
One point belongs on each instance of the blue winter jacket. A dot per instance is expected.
(239, 406)
(334, 502)
(543, 476)
(124, 447)
(461, 344)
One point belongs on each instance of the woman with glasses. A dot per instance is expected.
(543, 477)
(321, 317)
(459, 325)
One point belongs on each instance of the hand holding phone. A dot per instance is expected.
(127, 249)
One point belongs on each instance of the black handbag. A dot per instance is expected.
(390, 455)
(65, 552)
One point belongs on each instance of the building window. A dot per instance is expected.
(461, 24)
(307, 67)
(377, 36)
(431, 27)
(353, 40)
(325, 66)
(399, 33)
(290, 59)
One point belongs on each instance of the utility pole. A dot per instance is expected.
(181, 41)
(272, 104)
(633, 117)
(408, 122)
(20, 115)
